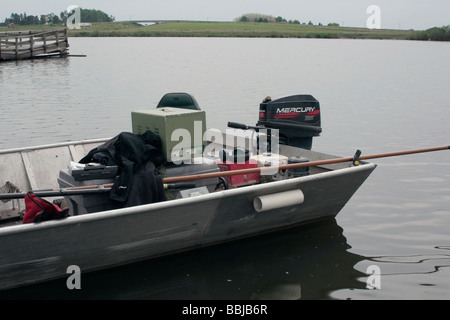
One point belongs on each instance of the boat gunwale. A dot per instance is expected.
(147, 208)
(53, 145)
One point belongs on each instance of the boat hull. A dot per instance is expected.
(44, 251)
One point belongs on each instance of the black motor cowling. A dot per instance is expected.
(296, 117)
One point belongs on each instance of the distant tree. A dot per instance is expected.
(56, 20)
(92, 15)
(255, 17)
(435, 34)
(22, 19)
(30, 20)
(280, 20)
(440, 34)
(243, 19)
(51, 18)
(333, 24)
(87, 15)
(261, 18)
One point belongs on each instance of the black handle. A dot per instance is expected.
(237, 125)
(180, 185)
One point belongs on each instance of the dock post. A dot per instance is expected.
(31, 46)
(45, 42)
(17, 48)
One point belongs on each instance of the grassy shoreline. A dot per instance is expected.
(228, 29)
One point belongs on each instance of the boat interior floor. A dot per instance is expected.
(17, 220)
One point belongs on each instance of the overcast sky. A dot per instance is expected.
(395, 14)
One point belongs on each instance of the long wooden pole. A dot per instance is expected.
(299, 165)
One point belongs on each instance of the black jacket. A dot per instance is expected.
(131, 152)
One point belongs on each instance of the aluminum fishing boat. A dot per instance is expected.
(220, 205)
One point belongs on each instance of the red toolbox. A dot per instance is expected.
(240, 180)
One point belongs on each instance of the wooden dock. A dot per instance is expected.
(18, 45)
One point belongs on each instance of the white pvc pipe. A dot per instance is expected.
(278, 200)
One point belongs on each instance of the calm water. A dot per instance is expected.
(377, 96)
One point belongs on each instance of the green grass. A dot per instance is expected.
(225, 29)
(231, 29)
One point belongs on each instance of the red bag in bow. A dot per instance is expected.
(38, 209)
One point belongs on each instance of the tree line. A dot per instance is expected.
(435, 34)
(87, 15)
(263, 18)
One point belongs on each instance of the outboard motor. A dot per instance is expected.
(296, 117)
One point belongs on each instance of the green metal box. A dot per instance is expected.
(181, 130)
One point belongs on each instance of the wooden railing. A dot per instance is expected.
(29, 44)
